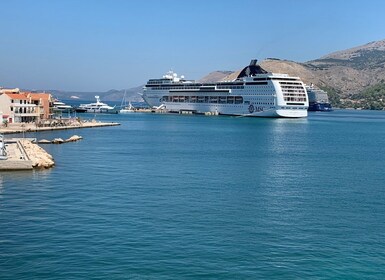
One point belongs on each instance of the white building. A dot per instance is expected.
(19, 106)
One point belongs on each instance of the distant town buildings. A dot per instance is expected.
(17, 106)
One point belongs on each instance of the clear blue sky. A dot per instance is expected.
(97, 45)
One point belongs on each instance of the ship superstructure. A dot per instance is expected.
(255, 92)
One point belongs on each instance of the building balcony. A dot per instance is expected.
(31, 114)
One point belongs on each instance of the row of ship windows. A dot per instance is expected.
(292, 87)
(230, 87)
(299, 99)
(181, 87)
(294, 108)
(249, 90)
(185, 87)
(204, 99)
(195, 87)
(261, 91)
(260, 101)
(291, 83)
(294, 94)
(211, 99)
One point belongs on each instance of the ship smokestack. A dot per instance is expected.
(253, 62)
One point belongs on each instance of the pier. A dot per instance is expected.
(16, 156)
(24, 154)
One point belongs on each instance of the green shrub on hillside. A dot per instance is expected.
(372, 98)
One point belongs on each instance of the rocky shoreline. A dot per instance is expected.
(39, 157)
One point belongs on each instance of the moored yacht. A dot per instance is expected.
(126, 108)
(255, 93)
(59, 106)
(96, 107)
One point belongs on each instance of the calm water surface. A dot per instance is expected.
(194, 197)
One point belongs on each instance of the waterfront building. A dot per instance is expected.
(17, 106)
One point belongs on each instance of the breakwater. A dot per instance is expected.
(23, 154)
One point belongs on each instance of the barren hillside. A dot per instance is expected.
(348, 71)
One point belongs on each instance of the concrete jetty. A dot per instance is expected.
(16, 156)
(23, 154)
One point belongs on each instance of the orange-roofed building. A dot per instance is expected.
(44, 101)
(25, 106)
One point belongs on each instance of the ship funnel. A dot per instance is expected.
(253, 62)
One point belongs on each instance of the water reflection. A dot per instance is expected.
(288, 152)
(18, 178)
(1, 185)
(348, 116)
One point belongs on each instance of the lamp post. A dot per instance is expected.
(22, 129)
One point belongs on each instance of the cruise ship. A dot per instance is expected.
(318, 99)
(255, 93)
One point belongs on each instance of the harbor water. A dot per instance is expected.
(196, 197)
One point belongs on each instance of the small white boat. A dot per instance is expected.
(126, 109)
(97, 107)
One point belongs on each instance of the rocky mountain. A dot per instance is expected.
(345, 73)
(353, 70)
(215, 76)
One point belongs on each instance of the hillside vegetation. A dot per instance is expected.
(372, 98)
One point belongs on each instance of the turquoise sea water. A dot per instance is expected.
(194, 197)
